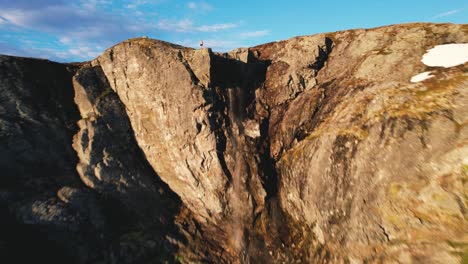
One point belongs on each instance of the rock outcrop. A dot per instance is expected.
(316, 149)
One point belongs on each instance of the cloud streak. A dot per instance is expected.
(85, 24)
(255, 34)
(28, 4)
(199, 6)
(448, 13)
(80, 30)
(77, 50)
(187, 25)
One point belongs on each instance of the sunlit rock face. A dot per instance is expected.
(316, 149)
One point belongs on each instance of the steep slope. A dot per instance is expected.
(48, 209)
(316, 149)
(37, 123)
(374, 166)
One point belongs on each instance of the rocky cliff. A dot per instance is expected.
(316, 149)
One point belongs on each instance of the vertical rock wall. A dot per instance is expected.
(316, 149)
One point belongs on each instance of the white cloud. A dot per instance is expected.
(28, 4)
(136, 4)
(83, 51)
(54, 18)
(221, 45)
(180, 26)
(69, 24)
(448, 13)
(81, 33)
(216, 27)
(65, 40)
(192, 5)
(13, 50)
(81, 29)
(187, 25)
(255, 34)
(200, 6)
(78, 50)
(15, 16)
(90, 5)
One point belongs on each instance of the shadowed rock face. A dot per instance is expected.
(316, 149)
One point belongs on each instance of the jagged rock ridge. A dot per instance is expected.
(314, 149)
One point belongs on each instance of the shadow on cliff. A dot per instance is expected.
(142, 212)
(234, 99)
(236, 102)
(38, 123)
(36, 158)
(234, 84)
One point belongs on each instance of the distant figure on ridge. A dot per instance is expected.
(201, 44)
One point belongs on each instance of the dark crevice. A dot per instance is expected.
(217, 120)
(322, 57)
(188, 68)
(236, 81)
(233, 85)
(267, 162)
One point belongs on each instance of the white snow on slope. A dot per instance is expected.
(421, 77)
(447, 55)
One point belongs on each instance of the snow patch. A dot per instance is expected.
(448, 55)
(421, 77)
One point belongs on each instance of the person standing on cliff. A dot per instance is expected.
(201, 44)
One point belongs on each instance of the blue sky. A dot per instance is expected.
(64, 30)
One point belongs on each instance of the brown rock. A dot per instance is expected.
(317, 149)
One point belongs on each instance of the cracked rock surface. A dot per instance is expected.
(316, 149)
